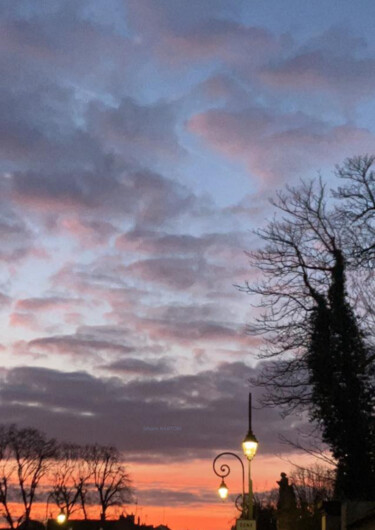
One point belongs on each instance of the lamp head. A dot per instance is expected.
(223, 490)
(250, 445)
(61, 518)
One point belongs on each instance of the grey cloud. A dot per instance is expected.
(168, 497)
(193, 330)
(17, 238)
(181, 273)
(196, 31)
(46, 304)
(175, 273)
(147, 241)
(151, 242)
(140, 131)
(133, 366)
(65, 151)
(175, 14)
(320, 72)
(64, 41)
(38, 128)
(144, 195)
(173, 418)
(159, 198)
(4, 300)
(88, 189)
(78, 344)
(336, 61)
(337, 41)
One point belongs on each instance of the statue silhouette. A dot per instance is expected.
(286, 505)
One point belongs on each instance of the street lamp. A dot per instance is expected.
(61, 518)
(223, 490)
(249, 446)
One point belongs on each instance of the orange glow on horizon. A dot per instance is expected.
(195, 478)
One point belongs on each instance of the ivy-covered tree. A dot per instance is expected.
(320, 354)
(343, 400)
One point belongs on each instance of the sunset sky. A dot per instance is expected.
(140, 143)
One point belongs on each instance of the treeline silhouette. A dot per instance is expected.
(35, 468)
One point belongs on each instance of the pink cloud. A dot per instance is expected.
(230, 42)
(279, 146)
(25, 320)
(89, 232)
(74, 318)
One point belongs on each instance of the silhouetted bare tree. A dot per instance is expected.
(109, 476)
(77, 474)
(7, 470)
(296, 262)
(357, 208)
(26, 455)
(70, 476)
(312, 485)
(356, 213)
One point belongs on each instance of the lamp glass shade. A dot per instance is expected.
(250, 446)
(61, 518)
(223, 490)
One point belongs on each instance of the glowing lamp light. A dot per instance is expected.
(250, 445)
(61, 518)
(223, 490)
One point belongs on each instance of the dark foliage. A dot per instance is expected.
(320, 351)
(342, 395)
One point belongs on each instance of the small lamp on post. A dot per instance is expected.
(223, 490)
(61, 518)
(223, 471)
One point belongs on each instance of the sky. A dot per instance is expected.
(140, 143)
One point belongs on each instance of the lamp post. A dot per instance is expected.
(249, 447)
(47, 507)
